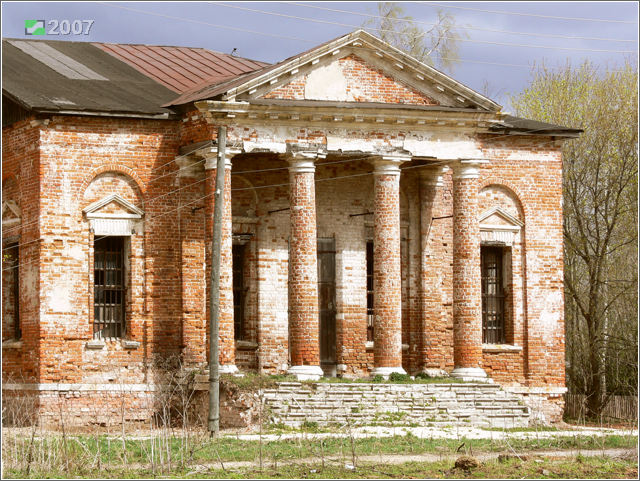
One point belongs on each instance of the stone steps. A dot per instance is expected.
(487, 405)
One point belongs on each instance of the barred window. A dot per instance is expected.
(493, 329)
(370, 312)
(109, 287)
(239, 291)
(11, 288)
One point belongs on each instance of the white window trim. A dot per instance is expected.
(11, 206)
(123, 224)
(506, 234)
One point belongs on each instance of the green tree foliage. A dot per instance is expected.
(436, 46)
(600, 186)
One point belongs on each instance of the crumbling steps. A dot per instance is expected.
(478, 404)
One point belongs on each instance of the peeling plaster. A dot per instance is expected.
(550, 316)
(450, 146)
(60, 297)
(327, 83)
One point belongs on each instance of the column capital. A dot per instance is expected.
(303, 161)
(388, 164)
(467, 168)
(302, 165)
(432, 175)
(210, 154)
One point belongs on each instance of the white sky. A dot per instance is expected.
(259, 35)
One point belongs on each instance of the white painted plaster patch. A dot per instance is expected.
(550, 315)
(327, 83)
(60, 298)
(75, 252)
(442, 147)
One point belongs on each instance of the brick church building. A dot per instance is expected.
(379, 217)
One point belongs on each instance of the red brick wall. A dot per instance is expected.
(131, 158)
(364, 84)
(303, 277)
(533, 170)
(387, 334)
(76, 165)
(21, 178)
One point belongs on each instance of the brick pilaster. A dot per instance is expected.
(303, 272)
(227, 349)
(387, 285)
(467, 299)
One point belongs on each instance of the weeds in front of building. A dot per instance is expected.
(173, 440)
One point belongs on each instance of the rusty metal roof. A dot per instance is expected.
(181, 68)
(206, 90)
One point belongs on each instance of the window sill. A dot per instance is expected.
(501, 348)
(94, 344)
(12, 344)
(126, 344)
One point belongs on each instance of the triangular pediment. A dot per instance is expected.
(113, 206)
(10, 212)
(358, 67)
(496, 216)
(351, 79)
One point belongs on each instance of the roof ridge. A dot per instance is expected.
(180, 46)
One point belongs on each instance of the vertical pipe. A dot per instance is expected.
(214, 300)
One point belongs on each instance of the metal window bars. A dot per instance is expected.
(493, 331)
(109, 288)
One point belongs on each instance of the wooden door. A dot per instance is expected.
(327, 299)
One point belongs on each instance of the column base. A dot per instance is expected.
(385, 372)
(228, 369)
(306, 373)
(471, 374)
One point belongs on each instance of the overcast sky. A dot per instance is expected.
(608, 30)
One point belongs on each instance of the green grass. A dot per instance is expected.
(82, 451)
(570, 468)
(511, 468)
(253, 382)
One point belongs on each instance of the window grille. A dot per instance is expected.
(109, 287)
(492, 295)
(11, 263)
(239, 291)
(370, 312)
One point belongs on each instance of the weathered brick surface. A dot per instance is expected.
(303, 272)
(467, 313)
(387, 334)
(21, 184)
(364, 83)
(424, 255)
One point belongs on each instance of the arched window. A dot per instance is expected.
(499, 230)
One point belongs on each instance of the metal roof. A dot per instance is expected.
(181, 68)
(519, 126)
(50, 75)
(134, 80)
(57, 76)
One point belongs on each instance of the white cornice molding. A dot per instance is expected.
(92, 210)
(514, 221)
(360, 39)
(351, 115)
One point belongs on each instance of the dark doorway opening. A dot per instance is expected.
(327, 304)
